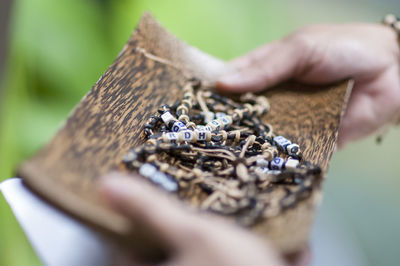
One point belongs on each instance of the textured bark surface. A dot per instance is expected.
(108, 122)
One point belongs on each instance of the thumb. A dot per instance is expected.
(264, 67)
(149, 208)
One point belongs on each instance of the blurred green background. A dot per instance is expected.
(59, 49)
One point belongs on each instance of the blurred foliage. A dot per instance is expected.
(59, 49)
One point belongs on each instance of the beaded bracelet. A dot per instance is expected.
(393, 22)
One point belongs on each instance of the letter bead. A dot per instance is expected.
(219, 115)
(178, 126)
(282, 142)
(215, 124)
(171, 137)
(147, 170)
(164, 181)
(293, 149)
(276, 163)
(167, 117)
(204, 128)
(226, 121)
(201, 135)
(291, 164)
(187, 135)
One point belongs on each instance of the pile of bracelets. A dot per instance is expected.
(219, 150)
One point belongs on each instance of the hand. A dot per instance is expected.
(195, 239)
(320, 54)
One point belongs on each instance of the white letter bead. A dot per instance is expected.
(147, 170)
(219, 115)
(215, 124)
(262, 163)
(170, 137)
(226, 121)
(187, 135)
(201, 135)
(167, 117)
(164, 181)
(178, 126)
(293, 149)
(276, 163)
(282, 142)
(291, 164)
(206, 128)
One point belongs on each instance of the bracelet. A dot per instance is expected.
(393, 22)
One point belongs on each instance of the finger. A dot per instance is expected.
(373, 104)
(262, 68)
(146, 206)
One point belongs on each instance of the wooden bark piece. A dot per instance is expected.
(109, 119)
(308, 116)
